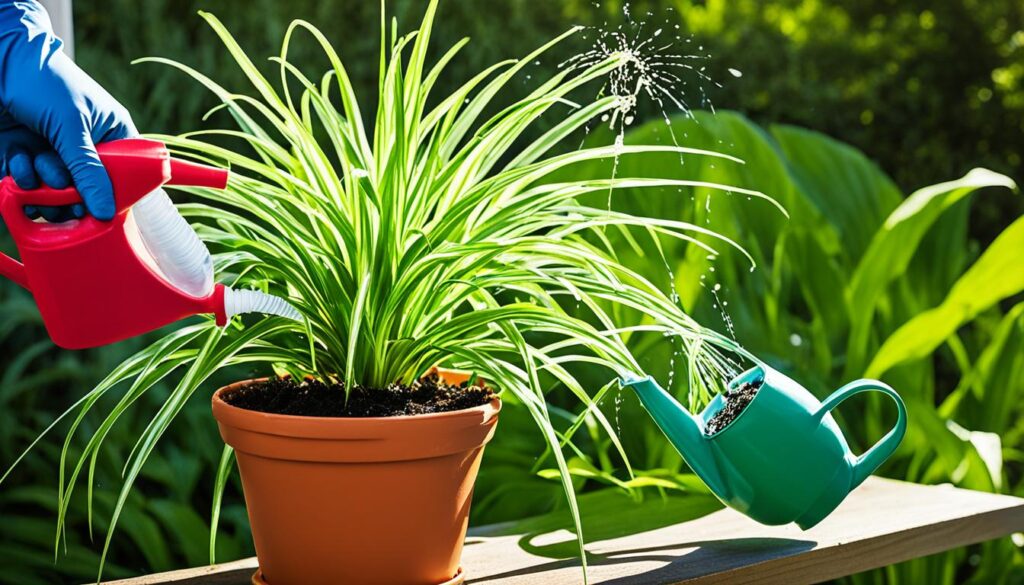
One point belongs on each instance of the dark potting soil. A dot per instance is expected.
(736, 401)
(315, 398)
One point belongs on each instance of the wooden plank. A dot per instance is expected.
(234, 573)
(881, 523)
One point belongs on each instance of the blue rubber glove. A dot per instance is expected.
(52, 114)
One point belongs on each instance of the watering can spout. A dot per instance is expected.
(196, 175)
(682, 429)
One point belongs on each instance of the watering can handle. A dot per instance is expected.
(45, 196)
(869, 461)
(10, 268)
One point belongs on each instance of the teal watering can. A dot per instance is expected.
(783, 458)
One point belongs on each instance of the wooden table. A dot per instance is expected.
(881, 523)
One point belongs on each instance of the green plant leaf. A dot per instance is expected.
(997, 275)
(893, 247)
(848, 190)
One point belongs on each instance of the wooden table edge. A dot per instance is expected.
(811, 566)
(867, 554)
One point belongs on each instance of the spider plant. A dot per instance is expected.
(439, 238)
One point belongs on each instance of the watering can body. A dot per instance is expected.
(89, 283)
(783, 458)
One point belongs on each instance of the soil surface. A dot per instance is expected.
(316, 398)
(736, 401)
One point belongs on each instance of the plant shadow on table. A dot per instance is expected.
(609, 514)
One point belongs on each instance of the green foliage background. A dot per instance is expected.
(925, 90)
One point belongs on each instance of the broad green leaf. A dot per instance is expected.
(848, 190)
(998, 274)
(1001, 373)
(893, 247)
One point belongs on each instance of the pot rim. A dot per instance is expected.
(218, 398)
(341, 427)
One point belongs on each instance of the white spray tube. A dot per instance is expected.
(184, 261)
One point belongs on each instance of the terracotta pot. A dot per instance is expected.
(358, 500)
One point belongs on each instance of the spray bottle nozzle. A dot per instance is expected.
(190, 174)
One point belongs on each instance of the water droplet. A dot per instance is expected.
(718, 287)
(618, 407)
(735, 72)
(795, 340)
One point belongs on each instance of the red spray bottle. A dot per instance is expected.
(100, 282)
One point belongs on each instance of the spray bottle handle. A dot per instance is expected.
(45, 196)
(136, 167)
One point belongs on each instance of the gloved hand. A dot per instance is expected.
(52, 114)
